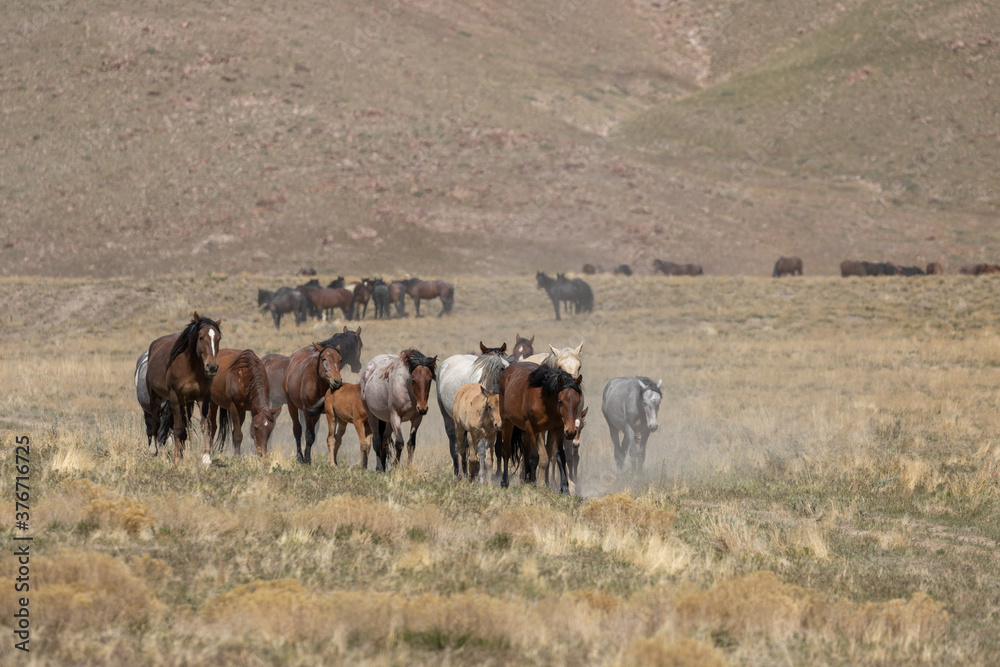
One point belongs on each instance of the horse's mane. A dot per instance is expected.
(553, 380)
(258, 376)
(491, 367)
(414, 357)
(349, 342)
(648, 384)
(409, 282)
(188, 336)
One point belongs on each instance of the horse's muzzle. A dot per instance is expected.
(211, 369)
(653, 427)
(335, 383)
(423, 410)
(570, 435)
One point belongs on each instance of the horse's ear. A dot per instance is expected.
(482, 347)
(579, 380)
(532, 341)
(319, 348)
(579, 348)
(196, 317)
(345, 328)
(658, 384)
(554, 350)
(503, 348)
(358, 332)
(218, 323)
(584, 413)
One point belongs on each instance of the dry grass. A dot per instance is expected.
(823, 487)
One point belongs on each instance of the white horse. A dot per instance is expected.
(462, 369)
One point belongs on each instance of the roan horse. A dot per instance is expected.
(311, 371)
(179, 372)
(395, 389)
(630, 405)
(477, 423)
(461, 369)
(240, 385)
(535, 401)
(430, 289)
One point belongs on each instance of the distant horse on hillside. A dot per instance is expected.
(430, 289)
(672, 269)
(179, 371)
(538, 401)
(380, 295)
(395, 389)
(325, 299)
(287, 300)
(623, 270)
(630, 406)
(397, 295)
(563, 290)
(935, 268)
(787, 266)
(240, 385)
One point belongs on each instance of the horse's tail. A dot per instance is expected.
(515, 449)
(448, 299)
(166, 423)
(587, 300)
(225, 431)
(318, 409)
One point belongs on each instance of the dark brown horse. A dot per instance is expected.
(275, 365)
(787, 266)
(849, 267)
(311, 371)
(179, 372)
(240, 385)
(430, 289)
(325, 299)
(935, 269)
(536, 401)
(623, 270)
(523, 348)
(672, 269)
(362, 295)
(397, 295)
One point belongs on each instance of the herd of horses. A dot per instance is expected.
(522, 409)
(312, 299)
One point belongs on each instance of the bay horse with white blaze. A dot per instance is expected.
(179, 371)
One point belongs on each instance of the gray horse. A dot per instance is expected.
(630, 406)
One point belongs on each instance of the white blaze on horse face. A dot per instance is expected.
(577, 423)
(651, 405)
(211, 341)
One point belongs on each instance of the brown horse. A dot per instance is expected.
(345, 406)
(935, 269)
(276, 365)
(672, 269)
(536, 401)
(240, 384)
(362, 295)
(849, 267)
(430, 289)
(179, 372)
(325, 299)
(311, 371)
(572, 457)
(523, 348)
(397, 295)
(477, 415)
(787, 266)
(395, 389)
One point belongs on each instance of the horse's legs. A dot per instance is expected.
(213, 423)
(378, 441)
(332, 441)
(180, 427)
(237, 417)
(364, 439)
(153, 422)
(293, 412)
(338, 438)
(449, 428)
(531, 451)
(416, 304)
(640, 458)
(628, 444)
(206, 450)
(277, 318)
(619, 452)
(555, 304)
(498, 452)
(507, 436)
(561, 461)
(460, 451)
(310, 436)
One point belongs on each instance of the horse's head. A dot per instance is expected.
(207, 345)
(328, 365)
(568, 359)
(491, 409)
(355, 361)
(261, 426)
(421, 375)
(579, 430)
(651, 398)
(570, 405)
(542, 279)
(497, 351)
(523, 348)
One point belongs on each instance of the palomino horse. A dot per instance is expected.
(460, 369)
(630, 405)
(535, 401)
(179, 372)
(311, 371)
(523, 348)
(430, 289)
(567, 359)
(240, 385)
(345, 406)
(395, 389)
(477, 415)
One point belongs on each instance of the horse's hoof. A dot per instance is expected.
(206, 460)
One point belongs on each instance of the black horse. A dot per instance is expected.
(564, 290)
(288, 300)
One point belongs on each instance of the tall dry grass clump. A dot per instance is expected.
(622, 512)
(81, 500)
(661, 652)
(83, 589)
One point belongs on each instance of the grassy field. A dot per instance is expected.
(823, 489)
